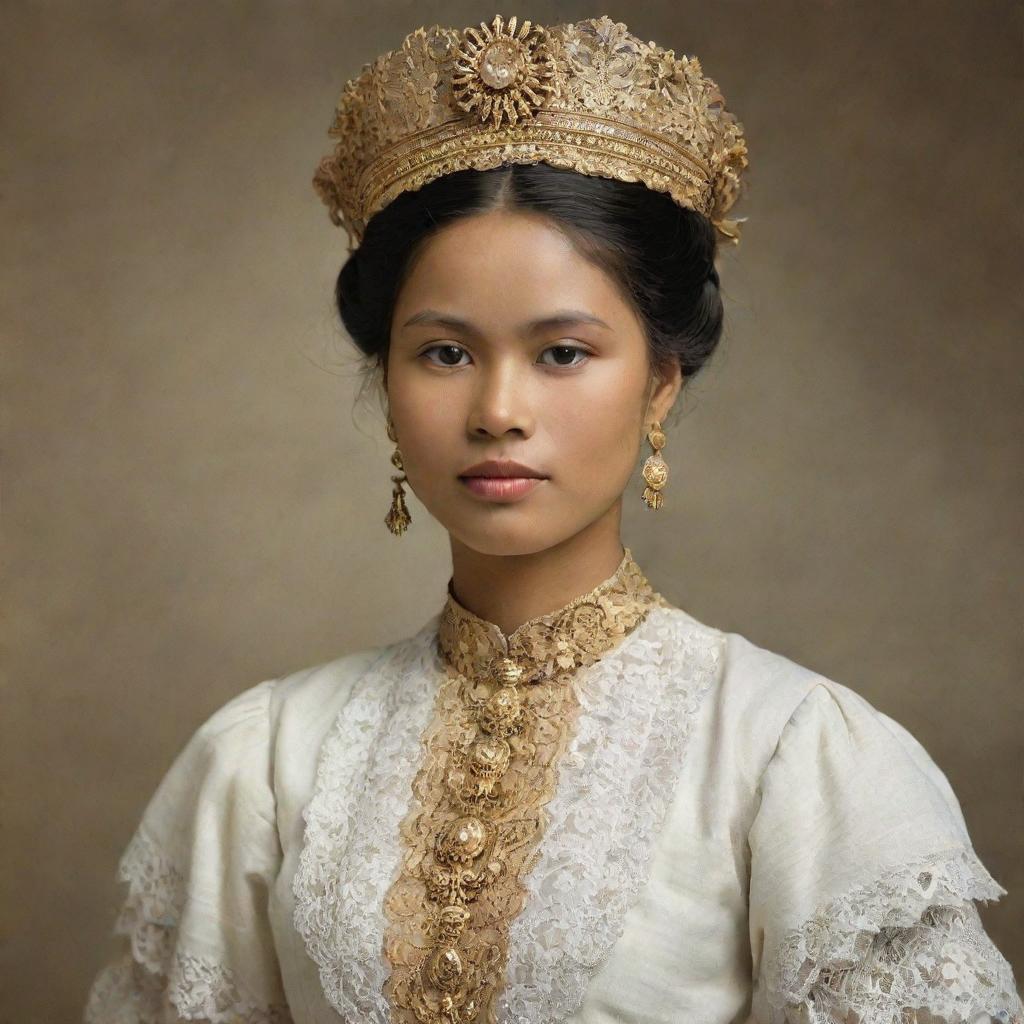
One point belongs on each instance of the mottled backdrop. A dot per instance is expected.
(194, 502)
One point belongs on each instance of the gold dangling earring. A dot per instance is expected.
(398, 518)
(655, 471)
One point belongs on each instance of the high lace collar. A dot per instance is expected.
(553, 644)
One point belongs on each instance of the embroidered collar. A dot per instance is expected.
(553, 644)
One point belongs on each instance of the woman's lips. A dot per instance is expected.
(501, 488)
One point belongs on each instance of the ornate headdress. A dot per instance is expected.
(587, 96)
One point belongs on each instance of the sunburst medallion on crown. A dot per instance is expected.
(503, 74)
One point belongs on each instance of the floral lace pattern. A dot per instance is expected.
(910, 948)
(622, 767)
(636, 707)
(351, 845)
(156, 982)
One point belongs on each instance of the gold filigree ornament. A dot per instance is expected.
(586, 96)
(503, 717)
(655, 470)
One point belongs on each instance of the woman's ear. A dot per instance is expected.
(667, 383)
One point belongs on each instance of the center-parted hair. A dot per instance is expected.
(661, 255)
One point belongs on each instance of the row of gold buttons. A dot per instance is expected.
(455, 881)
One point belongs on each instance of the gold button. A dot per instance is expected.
(446, 968)
(461, 839)
(507, 672)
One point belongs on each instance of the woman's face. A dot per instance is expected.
(507, 344)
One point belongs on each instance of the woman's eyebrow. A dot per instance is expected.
(561, 318)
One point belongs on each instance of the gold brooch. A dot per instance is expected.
(502, 74)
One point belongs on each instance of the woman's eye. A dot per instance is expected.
(565, 355)
(446, 355)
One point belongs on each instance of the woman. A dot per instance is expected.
(563, 798)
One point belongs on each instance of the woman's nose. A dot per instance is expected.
(501, 403)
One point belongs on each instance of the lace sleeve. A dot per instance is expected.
(944, 969)
(876, 957)
(195, 940)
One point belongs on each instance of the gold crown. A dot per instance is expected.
(587, 96)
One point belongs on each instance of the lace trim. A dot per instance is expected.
(124, 992)
(156, 982)
(617, 780)
(351, 845)
(912, 940)
(946, 966)
(636, 711)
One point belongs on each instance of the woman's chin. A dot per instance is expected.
(508, 535)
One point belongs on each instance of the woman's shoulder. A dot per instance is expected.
(805, 700)
(753, 679)
(773, 705)
(333, 682)
(298, 702)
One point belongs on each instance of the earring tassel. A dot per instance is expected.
(652, 498)
(398, 517)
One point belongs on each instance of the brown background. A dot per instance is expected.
(192, 505)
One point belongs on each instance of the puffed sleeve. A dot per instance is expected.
(193, 929)
(864, 881)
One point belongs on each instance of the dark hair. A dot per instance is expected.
(660, 254)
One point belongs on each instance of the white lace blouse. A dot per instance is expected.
(729, 837)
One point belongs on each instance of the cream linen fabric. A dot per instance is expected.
(734, 838)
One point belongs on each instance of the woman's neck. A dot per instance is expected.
(509, 589)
